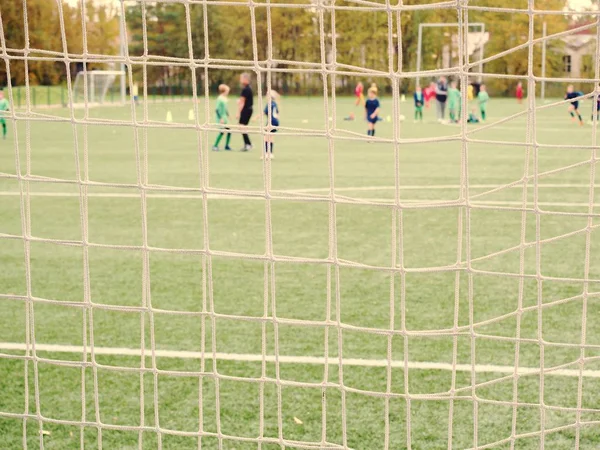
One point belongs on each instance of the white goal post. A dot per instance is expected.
(479, 25)
(92, 86)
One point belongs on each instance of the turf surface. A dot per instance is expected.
(429, 281)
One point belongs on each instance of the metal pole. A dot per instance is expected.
(122, 49)
(419, 43)
(543, 91)
(481, 53)
(93, 87)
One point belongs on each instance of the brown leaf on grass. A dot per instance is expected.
(298, 421)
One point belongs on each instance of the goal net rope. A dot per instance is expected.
(464, 397)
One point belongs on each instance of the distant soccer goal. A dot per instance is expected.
(475, 44)
(97, 86)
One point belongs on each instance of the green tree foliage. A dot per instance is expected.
(294, 38)
(40, 27)
(232, 34)
(510, 30)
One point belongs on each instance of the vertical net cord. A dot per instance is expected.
(398, 236)
(529, 140)
(531, 133)
(333, 250)
(207, 301)
(330, 71)
(588, 245)
(188, 25)
(208, 288)
(142, 160)
(27, 357)
(142, 184)
(463, 61)
(83, 213)
(269, 264)
(464, 198)
(332, 230)
(393, 77)
(25, 211)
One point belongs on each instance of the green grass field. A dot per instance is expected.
(435, 257)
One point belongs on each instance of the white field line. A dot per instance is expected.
(440, 187)
(242, 197)
(315, 360)
(313, 190)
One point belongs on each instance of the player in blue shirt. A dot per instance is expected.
(574, 106)
(597, 111)
(372, 107)
(272, 114)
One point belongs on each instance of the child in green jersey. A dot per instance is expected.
(482, 99)
(222, 117)
(454, 102)
(419, 99)
(3, 110)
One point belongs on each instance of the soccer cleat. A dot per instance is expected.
(228, 148)
(215, 149)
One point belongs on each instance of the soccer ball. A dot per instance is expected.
(402, 118)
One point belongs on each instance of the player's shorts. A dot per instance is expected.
(520, 96)
(575, 105)
(245, 116)
(419, 108)
(373, 120)
(274, 125)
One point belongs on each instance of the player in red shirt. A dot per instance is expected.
(519, 92)
(429, 93)
(358, 92)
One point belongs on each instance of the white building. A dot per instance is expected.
(579, 54)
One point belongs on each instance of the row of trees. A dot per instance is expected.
(358, 38)
(39, 25)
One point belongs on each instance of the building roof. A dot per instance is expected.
(579, 40)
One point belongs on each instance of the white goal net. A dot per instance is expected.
(431, 284)
(97, 86)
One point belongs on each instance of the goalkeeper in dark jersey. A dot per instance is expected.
(574, 106)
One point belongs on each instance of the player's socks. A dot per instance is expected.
(482, 115)
(266, 147)
(572, 114)
(4, 131)
(271, 148)
(373, 132)
(580, 119)
(218, 141)
(227, 140)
